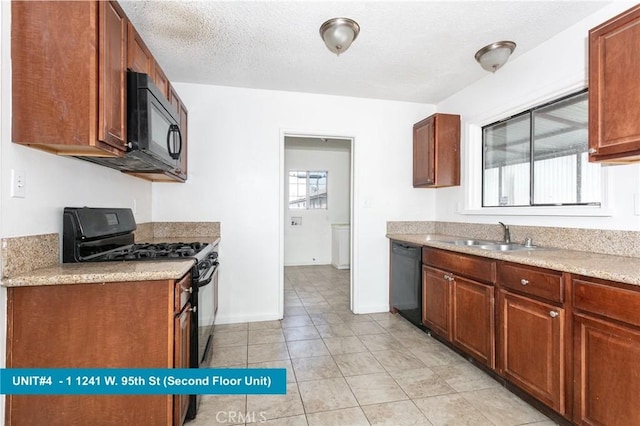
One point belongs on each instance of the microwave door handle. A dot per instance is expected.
(171, 141)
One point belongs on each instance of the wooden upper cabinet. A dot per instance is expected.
(436, 151)
(160, 80)
(614, 89)
(184, 127)
(139, 58)
(68, 71)
(112, 85)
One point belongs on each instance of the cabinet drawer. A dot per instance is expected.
(530, 280)
(461, 264)
(182, 292)
(600, 298)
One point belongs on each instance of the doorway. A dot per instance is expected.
(316, 223)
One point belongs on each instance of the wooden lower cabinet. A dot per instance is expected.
(472, 322)
(606, 343)
(436, 294)
(607, 374)
(102, 325)
(182, 340)
(458, 301)
(532, 347)
(571, 342)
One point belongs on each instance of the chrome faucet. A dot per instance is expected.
(507, 233)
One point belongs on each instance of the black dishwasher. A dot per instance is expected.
(406, 281)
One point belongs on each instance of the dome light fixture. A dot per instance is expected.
(339, 33)
(493, 56)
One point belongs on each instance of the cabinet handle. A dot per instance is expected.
(592, 151)
(524, 282)
(195, 309)
(448, 277)
(553, 314)
(188, 290)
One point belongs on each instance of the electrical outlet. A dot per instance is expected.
(296, 221)
(18, 183)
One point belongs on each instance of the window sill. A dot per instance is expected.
(592, 211)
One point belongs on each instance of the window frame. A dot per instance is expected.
(530, 113)
(308, 190)
(470, 199)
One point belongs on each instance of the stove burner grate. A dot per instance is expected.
(155, 251)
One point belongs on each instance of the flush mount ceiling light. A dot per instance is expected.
(495, 55)
(339, 33)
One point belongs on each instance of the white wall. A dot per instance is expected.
(236, 157)
(54, 182)
(310, 243)
(557, 66)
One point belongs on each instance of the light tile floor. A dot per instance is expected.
(347, 370)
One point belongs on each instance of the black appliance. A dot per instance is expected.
(153, 131)
(106, 234)
(406, 281)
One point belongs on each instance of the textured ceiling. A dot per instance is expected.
(419, 51)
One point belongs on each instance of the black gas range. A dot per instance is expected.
(107, 235)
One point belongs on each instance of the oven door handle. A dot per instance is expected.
(209, 277)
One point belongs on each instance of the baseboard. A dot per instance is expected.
(247, 318)
(372, 309)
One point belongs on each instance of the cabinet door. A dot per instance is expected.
(614, 88)
(139, 58)
(424, 152)
(472, 326)
(112, 104)
(160, 80)
(607, 376)
(532, 347)
(435, 301)
(175, 100)
(182, 339)
(184, 127)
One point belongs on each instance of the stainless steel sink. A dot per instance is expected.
(470, 242)
(506, 247)
(492, 245)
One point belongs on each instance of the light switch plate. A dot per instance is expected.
(18, 183)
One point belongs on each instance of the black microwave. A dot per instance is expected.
(153, 125)
(154, 141)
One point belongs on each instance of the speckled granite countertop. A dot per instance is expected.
(614, 268)
(101, 272)
(105, 272)
(202, 239)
